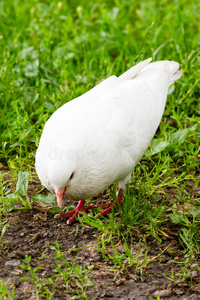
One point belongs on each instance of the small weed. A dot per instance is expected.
(158, 298)
(122, 251)
(75, 273)
(3, 226)
(5, 292)
(189, 235)
(40, 284)
(189, 239)
(3, 220)
(20, 195)
(71, 274)
(22, 189)
(185, 274)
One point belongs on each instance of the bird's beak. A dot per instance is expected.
(60, 194)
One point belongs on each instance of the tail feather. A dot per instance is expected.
(131, 73)
(145, 67)
(176, 76)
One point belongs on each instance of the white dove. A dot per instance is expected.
(99, 137)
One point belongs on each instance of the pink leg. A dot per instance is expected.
(119, 200)
(75, 212)
(81, 207)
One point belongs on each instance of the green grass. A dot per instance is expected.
(5, 292)
(54, 51)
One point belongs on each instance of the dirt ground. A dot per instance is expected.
(35, 232)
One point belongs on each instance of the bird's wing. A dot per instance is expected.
(130, 113)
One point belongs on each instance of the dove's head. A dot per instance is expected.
(61, 173)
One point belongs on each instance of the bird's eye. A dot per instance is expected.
(71, 175)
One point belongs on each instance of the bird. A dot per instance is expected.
(99, 137)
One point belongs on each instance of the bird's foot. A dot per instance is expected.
(81, 208)
(118, 204)
(74, 213)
